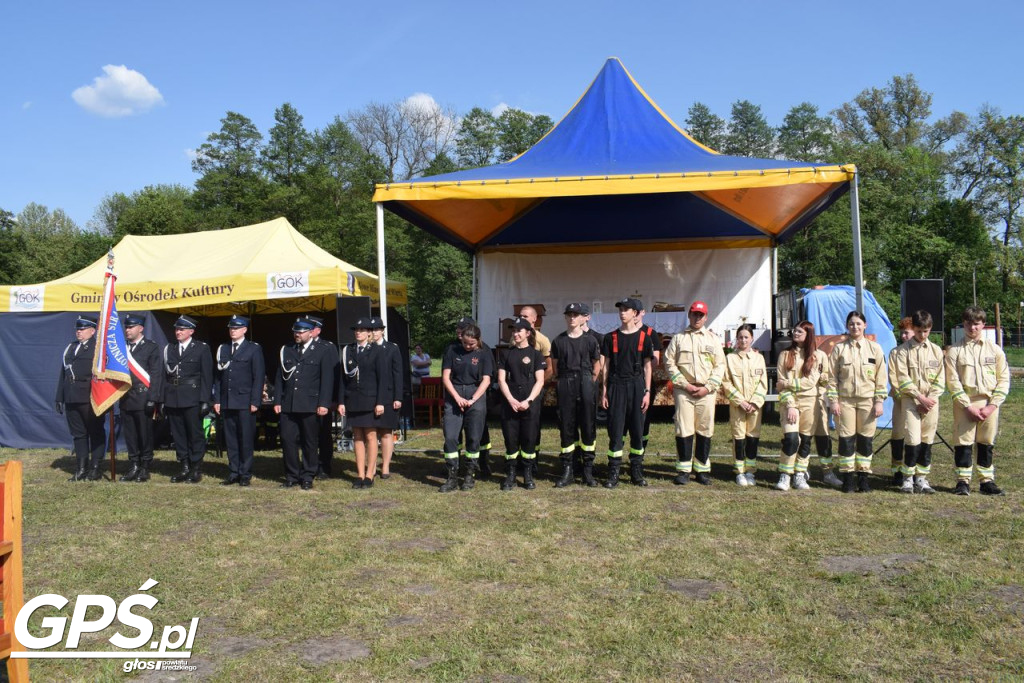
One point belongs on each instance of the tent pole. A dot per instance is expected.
(382, 280)
(858, 264)
(473, 309)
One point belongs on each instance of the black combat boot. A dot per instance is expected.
(195, 475)
(849, 485)
(862, 483)
(528, 471)
(588, 470)
(636, 470)
(95, 474)
(510, 475)
(468, 482)
(484, 464)
(613, 472)
(132, 473)
(452, 482)
(567, 473)
(81, 471)
(183, 475)
(143, 475)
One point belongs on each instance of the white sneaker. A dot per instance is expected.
(831, 479)
(741, 479)
(908, 485)
(783, 484)
(750, 478)
(800, 481)
(921, 485)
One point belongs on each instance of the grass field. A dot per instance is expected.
(663, 583)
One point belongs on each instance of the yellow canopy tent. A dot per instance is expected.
(257, 269)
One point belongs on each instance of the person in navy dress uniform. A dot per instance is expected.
(139, 405)
(395, 385)
(237, 396)
(188, 386)
(325, 442)
(363, 375)
(303, 391)
(72, 400)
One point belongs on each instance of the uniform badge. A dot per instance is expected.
(758, 371)
(933, 363)
(709, 349)
(526, 360)
(988, 360)
(475, 361)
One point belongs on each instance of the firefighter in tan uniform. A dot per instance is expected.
(921, 380)
(856, 390)
(695, 362)
(745, 383)
(897, 436)
(803, 373)
(978, 381)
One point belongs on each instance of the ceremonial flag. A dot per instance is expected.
(111, 366)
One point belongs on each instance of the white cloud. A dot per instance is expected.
(119, 92)
(499, 109)
(26, 105)
(191, 154)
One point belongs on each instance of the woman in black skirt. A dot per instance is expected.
(521, 378)
(363, 379)
(394, 365)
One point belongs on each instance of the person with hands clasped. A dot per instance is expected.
(803, 372)
(978, 380)
(465, 374)
(364, 368)
(920, 381)
(856, 390)
(696, 363)
(746, 383)
(521, 379)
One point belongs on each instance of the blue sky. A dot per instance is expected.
(187, 63)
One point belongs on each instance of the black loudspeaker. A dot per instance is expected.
(398, 333)
(350, 309)
(924, 295)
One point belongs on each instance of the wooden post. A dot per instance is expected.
(999, 327)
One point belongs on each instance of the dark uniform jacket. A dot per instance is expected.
(75, 382)
(189, 378)
(147, 355)
(394, 383)
(331, 352)
(239, 382)
(365, 376)
(304, 381)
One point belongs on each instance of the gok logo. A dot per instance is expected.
(281, 285)
(175, 642)
(27, 298)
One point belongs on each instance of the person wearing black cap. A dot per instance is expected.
(466, 373)
(655, 363)
(72, 400)
(188, 389)
(394, 383)
(576, 363)
(237, 397)
(695, 362)
(626, 390)
(325, 439)
(138, 406)
(303, 393)
(363, 374)
(521, 379)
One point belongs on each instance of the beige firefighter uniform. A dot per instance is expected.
(857, 380)
(745, 380)
(976, 375)
(805, 394)
(917, 370)
(695, 357)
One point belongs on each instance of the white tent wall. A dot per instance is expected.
(735, 283)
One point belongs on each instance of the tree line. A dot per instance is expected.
(939, 197)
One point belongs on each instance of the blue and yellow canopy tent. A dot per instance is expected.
(616, 174)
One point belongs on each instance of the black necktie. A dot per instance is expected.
(131, 347)
(234, 347)
(359, 349)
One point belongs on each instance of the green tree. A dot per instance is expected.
(286, 153)
(153, 210)
(804, 135)
(749, 133)
(54, 246)
(518, 131)
(12, 250)
(705, 127)
(231, 189)
(477, 138)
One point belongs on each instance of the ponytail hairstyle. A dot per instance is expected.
(807, 347)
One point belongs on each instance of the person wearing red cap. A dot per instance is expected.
(521, 379)
(745, 383)
(696, 363)
(626, 390)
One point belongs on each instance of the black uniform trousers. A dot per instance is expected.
(521, 430)
(187, 433)
(625, 414)
(240, 439)
(325, 442)
(455, 420)
(576, 409)
(138, 435)
(87, 433)
(300, 432)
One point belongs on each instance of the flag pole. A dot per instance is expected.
(113, 447)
